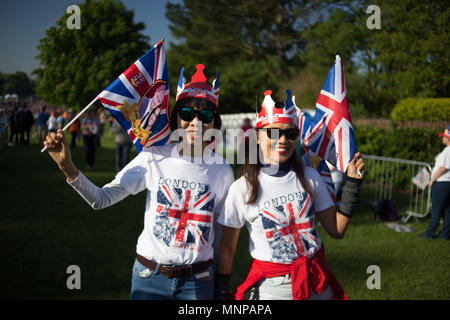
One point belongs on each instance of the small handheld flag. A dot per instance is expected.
(332, 136)
(139, 99)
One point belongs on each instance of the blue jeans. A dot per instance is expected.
(151, 285)
(440, 206)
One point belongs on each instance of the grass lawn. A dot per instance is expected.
(45, 227)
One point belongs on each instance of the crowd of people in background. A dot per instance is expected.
(19, 122)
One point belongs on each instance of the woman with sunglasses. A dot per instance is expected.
(278, 199)
(175, 251)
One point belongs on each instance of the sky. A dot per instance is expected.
(23, 24)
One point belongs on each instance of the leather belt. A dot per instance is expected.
(171, 271)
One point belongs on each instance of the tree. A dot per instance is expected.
(252, 43)
(407, 57)
(18, 82)
(78, 63)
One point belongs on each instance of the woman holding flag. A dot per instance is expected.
(175, 250)
(278, 199)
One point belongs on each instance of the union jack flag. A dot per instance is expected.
(332, 136)
(139, 96)
(184, 216)
(304, 125)
(290, 229)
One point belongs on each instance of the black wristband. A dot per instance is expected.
(221, 286)
(350, 194)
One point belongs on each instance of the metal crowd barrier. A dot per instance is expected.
(391, 178)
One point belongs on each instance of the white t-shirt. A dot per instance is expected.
(281, 221)
(442, 160)
(183, 202)
(52, 123)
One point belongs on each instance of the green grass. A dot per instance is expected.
(46, 227)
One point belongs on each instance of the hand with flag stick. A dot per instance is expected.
(139, 100)
(59, 150)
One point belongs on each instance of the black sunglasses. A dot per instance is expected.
(291, 133)
(189, 114)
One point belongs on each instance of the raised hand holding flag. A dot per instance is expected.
(137, 98)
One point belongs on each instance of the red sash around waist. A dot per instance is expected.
(305, 274)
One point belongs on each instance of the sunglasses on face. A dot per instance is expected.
(291, 133)
(188, 114)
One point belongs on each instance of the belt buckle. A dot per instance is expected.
(164, 268)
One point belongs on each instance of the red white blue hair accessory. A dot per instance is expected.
(271, 112)
(198, 88)
(446, 132)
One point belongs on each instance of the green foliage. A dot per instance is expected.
(412, 48)
(403, 143)
(78, 63)
(252, 43)
(17, 82)
(407, 57)
(430, 109)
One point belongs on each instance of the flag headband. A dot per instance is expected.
(271, 112)
(198, 88)
(446, 132)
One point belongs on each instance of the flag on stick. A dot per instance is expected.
(332, 136)
(139, 99)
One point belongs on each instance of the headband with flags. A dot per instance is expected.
(198, 88)
(272, 112)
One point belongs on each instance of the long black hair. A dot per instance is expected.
(252, 170)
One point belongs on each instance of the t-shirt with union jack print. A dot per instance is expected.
(184, 198)
(183, 202)
(281, 221)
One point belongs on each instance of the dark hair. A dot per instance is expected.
(251, 173)
(194, 102)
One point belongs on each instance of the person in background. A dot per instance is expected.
(74, 129)
(244, 144)
(51, 123)
(28, 121)
(14, 127)
(440, 190)
(102, 122)
(59, 119)
(3, 126)
(89, 128)
(123, 145)
(41, 124)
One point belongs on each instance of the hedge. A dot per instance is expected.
(402, 143)
(425, 109)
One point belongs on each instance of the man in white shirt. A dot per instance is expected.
(440, 190)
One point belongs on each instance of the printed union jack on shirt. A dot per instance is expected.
(332, 136)
(139, 99)
(281, 221)
(289, 228)
(184, 215)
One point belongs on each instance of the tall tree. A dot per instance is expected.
(252, 42)
(18, 82)
(407, 57)
(78, 63)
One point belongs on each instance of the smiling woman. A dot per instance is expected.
(278, 199)
(175, 251)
